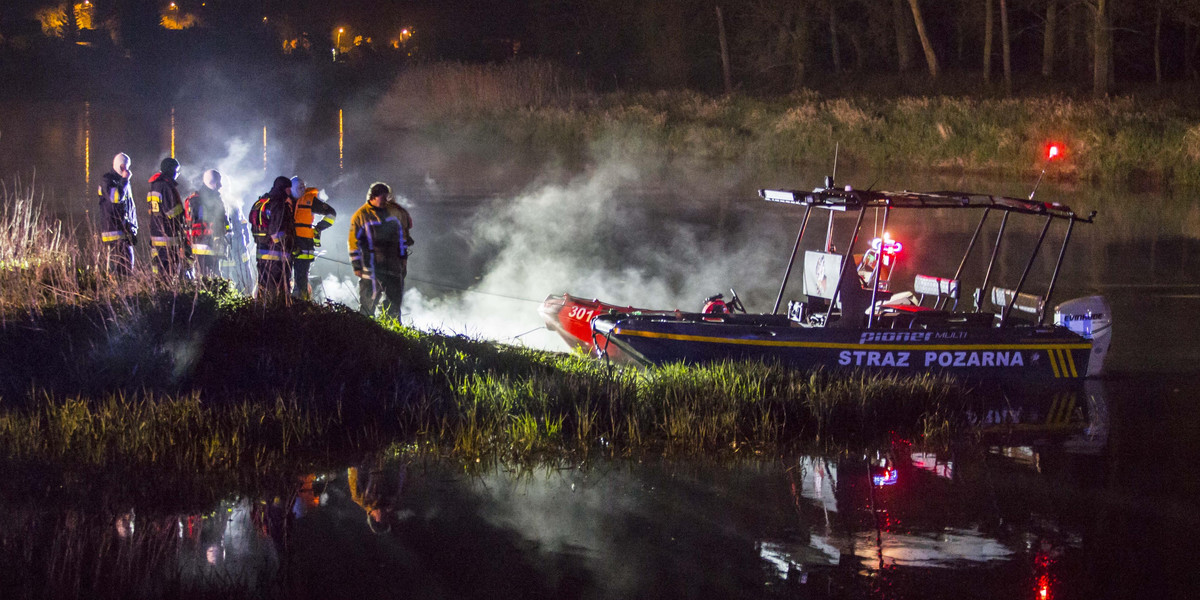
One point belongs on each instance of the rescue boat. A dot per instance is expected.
(851, 316)
(571, 318)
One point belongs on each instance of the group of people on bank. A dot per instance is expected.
(196, 236)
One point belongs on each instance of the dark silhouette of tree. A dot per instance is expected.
(926, 44)
(903, 27)
(1049, 37)
(988, 27)
(1006, 46)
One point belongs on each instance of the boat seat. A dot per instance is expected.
(944, 291)
(1029, 305)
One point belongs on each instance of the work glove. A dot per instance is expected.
(317, 238)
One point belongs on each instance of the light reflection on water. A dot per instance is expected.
(653, 530)
(995, 518)
(629, 234)
(491, 228)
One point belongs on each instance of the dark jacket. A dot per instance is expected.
(167, 225)
(118, 215)
(271, 222)
(208, 226)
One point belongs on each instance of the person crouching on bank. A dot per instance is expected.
(379, 246)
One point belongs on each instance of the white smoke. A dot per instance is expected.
(580, 237)
(238, 182)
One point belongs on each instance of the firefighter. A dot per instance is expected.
(235, 265)
(168, 228)
(118, 217)
(379, 248)
(306, 235)
(271, 224)
(209, 229)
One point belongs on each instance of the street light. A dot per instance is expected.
(337, 46)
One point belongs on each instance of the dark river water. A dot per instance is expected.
(1095, 500)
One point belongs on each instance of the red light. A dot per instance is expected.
(1052, 152)
(1043, 584)
(889, 245)
(888, 477)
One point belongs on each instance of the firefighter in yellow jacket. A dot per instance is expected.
(379, 247)
(306, 236)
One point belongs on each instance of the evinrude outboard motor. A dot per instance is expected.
(1091, 318)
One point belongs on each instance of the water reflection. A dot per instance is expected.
(983, 520)
(87, 145)
(657, 241)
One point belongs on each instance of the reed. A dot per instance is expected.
(541, 109)
(447, 91)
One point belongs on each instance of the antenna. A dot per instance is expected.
(832, 178)
(1052, 152)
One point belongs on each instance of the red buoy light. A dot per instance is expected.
(1052, 152)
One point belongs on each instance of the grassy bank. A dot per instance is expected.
(101, 373)
(539, 109)
(213, 386)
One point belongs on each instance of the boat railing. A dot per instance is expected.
(849, 200)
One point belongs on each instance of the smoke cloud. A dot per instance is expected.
(599, 234)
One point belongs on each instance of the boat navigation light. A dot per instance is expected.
(889, 245)
(887, 477)
(1052, 151)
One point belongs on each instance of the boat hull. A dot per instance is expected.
(1025, 353)
(571, 318)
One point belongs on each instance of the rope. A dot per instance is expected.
(444, 285)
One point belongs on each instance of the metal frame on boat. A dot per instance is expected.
(861, 324)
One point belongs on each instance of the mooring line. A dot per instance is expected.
(444, 285)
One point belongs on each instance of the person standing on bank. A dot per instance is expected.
(209, 227)
(307, 236)
(168, 228)
(235, 266)
(271, 225)
(118, 217)
(379, 247)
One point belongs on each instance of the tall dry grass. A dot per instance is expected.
(537, 107)
(45, 264)
(450, 91)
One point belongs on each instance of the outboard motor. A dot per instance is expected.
(1091, 318)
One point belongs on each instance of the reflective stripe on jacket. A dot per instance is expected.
(304, 229)
(167, 226)
(379, 235)
(118, 214)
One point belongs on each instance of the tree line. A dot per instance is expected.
(790, 44)
(751, 45)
